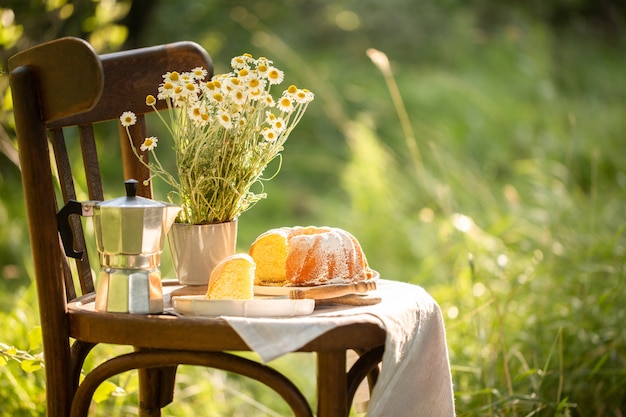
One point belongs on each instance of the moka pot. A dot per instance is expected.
(130, 234)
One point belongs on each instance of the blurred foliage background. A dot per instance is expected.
(485, 164)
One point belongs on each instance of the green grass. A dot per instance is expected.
(513, 216)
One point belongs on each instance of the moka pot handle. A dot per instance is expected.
(63, 224)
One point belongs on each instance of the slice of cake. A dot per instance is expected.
(232, 279)
(269, 252)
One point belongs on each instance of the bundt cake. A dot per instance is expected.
(232, 279)
(308, 256)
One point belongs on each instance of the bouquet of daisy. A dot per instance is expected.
(224, 131)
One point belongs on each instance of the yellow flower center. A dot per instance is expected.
(243, 72)
(168, 85)
(292, 89)
(174, 76)
(150, 100)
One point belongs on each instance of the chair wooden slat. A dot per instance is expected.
(68, 191)
(91, 163)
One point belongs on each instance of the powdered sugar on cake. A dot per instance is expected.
(309, 256)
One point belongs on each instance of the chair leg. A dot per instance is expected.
(156, 389)
(365, 366)
(332, 385)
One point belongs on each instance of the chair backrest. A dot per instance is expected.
(62, 84)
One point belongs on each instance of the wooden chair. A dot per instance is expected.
(64, 83)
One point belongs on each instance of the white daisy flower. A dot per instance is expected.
(238, 96)
(255, 94)
(309, 95)
(264, 61)
(275, 76)
(262, 70)
(186, 77)
(208, 88)
(217, 97)
(285, 104)
(196, 112)
(149, 143)
(254, 82)
(166, 90)
(278, 124)
(240, 62)
(172, 77)
(224, 118)
(128, 118)
(244, 74)
(189, 89)
(233, 83)
(269, 100)
(269, 135)
(303, 96)
(241, 122)
(199, 73)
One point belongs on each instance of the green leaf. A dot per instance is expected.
(31, 365)
(104, 391)
(35, 338)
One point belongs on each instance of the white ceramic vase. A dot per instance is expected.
(197, 248)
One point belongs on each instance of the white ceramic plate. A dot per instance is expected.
(197, 305)
(284, 290)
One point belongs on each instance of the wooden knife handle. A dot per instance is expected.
(333, 290)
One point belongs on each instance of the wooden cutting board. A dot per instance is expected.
(332, 290)
(355, 294)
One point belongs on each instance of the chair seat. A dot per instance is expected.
(204, 333)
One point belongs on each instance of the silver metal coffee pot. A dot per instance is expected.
(130, 233)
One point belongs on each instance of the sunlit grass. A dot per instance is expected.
(513, 218)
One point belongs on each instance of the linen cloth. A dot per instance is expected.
(415, 377)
